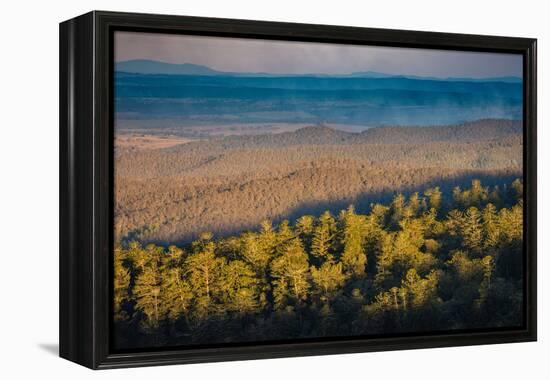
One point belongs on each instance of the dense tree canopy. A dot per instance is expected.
(419, 263)
(230, 184)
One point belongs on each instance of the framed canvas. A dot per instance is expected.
(236, 189)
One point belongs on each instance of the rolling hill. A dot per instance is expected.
(227, 185)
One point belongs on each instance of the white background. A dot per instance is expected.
(29, 187)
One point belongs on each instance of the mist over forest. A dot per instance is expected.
(186, 100)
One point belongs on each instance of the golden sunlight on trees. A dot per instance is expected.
(426, 261)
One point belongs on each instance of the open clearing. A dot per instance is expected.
(147, 142)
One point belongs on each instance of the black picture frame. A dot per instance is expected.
(86, 185)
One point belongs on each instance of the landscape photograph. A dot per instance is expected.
(278, 191)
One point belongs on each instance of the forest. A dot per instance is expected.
(426, 261)
(232, 183)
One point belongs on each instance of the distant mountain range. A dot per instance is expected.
(144, 66)
(204, 98)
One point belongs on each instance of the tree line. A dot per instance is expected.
(419, 263)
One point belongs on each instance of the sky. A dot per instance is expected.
(286, 57)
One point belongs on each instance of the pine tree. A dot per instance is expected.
(434, 197)
(353, 258)
(453, 225)
(323, 237)
(254, 253)
(471, 230)
(238, 287)
(147, 292)
(432, 227)
(458, 198)
(384, 259)
(397, 210)
(465, 269)
(267, 239)
(304, 229)
(413, 206)
(138, 255)
(121, 284)
(491, 230)
(328, 280)
(176, 294)
(421, 290)
(203, 271)
(478, 194)
(175, 256)
(511, 222)
(284, 236)
(379, 213)
(205, 239)
(257, 252)
(407, 246)
(291, 274)
(488, 267)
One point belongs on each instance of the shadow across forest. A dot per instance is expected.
(410, 265)
(362, 203)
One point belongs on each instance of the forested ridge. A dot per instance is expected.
(230, 184)
(424, 262)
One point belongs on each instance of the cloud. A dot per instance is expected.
(289, 57)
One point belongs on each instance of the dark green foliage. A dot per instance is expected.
(418, 264)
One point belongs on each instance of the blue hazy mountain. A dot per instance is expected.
(199, 95)
(146, 66)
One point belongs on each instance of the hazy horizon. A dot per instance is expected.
(240, 55)
(381, 73)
